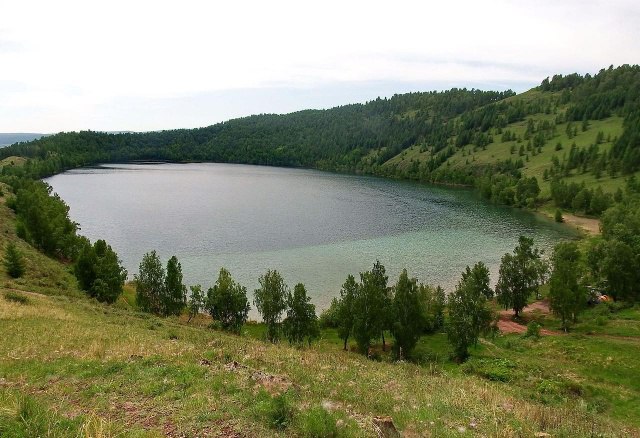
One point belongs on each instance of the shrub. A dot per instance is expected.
(601, 321)
(276, 411)
(16, 297)
(12, 203)
(499, 370)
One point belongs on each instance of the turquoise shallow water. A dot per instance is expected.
(314, 227)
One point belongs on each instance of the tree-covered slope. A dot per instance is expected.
(333, 139)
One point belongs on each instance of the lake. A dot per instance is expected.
(314, 227)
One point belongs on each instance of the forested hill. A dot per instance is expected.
(571, 133)
(337, 138)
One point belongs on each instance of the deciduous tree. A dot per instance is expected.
(301, 323)
(227, 302)
(370, 308)
(479, 275)
(150, 284)
(270, 300)
(468, 317)
(345, 309)
(408, 316)
(521, 273)
(174, 297)
(196, 301)
(566, 296)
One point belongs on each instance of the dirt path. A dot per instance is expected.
(507, 325)
(34, 294)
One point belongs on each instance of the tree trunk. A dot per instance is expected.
(345, 344)
(384, 345)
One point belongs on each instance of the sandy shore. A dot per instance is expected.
(589, 225)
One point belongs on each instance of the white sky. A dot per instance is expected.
(144, 65)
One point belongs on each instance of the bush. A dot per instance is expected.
(16, 297)
(318, 423)
(498, 370)
(601, 321)
(533, 331)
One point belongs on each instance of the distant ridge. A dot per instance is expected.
(9, 138)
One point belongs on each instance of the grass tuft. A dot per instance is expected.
(317, 422)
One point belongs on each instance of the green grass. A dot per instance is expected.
(74, 358)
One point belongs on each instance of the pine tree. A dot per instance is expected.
(13, 261)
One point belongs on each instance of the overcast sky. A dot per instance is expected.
(145, 65)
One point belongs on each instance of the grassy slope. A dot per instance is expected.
(535, 166)
(140, 375)
(69, 366)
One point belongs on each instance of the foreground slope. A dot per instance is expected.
(128, 373)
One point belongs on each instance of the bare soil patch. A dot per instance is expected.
(506, 324)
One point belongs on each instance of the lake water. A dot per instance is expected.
(314, 227)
